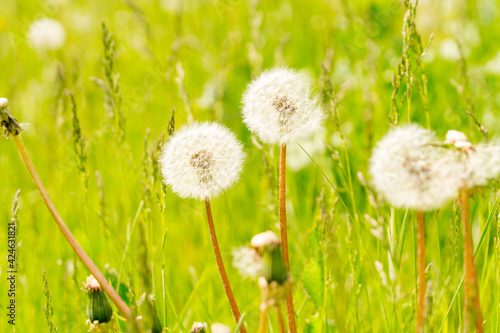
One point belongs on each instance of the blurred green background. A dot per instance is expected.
(199, 56)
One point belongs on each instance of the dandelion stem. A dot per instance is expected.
(471, 286)
(280, 319)
(220, 266)
(122, 307)
(263, 318)
(284, 236)
(421, 271)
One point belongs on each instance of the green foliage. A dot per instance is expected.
(373, 62)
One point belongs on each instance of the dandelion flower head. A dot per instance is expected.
(46, 35)
(279, 107)
(201, 160)
(411, 172)
(479, 163)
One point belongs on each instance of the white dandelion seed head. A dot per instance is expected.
(201, 160)
(247, 262)
(480, 164)
(279, 107)
(412, 173)
(220, 328)
(46, 35)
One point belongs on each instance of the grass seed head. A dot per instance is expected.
(279, 107)
(411, 172)
(201, 160)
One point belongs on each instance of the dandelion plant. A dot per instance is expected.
(12, 129)
(200, 161)
(478, 165)
(280, 108)
(413, 173)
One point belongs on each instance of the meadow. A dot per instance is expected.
(96, 112)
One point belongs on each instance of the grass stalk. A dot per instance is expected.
(94, 270)
(284, 236)
(421, 271)
(471, 305)
(220, 266)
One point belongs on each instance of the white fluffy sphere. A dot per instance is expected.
(279, 107)
(201, 160)
(46, 35)
(412, 173)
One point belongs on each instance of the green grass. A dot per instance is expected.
(220, 46)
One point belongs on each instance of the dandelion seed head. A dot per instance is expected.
(46, 35)
(480, 164)
(247, 262)
(279, 107)
(412, 173)
(201, 160)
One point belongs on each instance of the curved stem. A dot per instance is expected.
(471, 285)
(122, 307)
(284, 236)
(220, 266)
(421, 271)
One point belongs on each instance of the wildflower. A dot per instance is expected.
(201, 160)
(98, 308)
(280, 107)
(410, 172)
(46, 35)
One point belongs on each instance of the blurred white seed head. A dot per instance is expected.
(410, 172)
(46, 35)
(220, 328)
(279, 107)
(201, 160)
(480, 163)
(4, 102)
(247, 262)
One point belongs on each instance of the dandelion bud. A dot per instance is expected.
(279, 107)
(272, 266)
(46, 35)
(4, 102)
(198, 328)
(98, 307)
(264, 239)
(201, 160)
